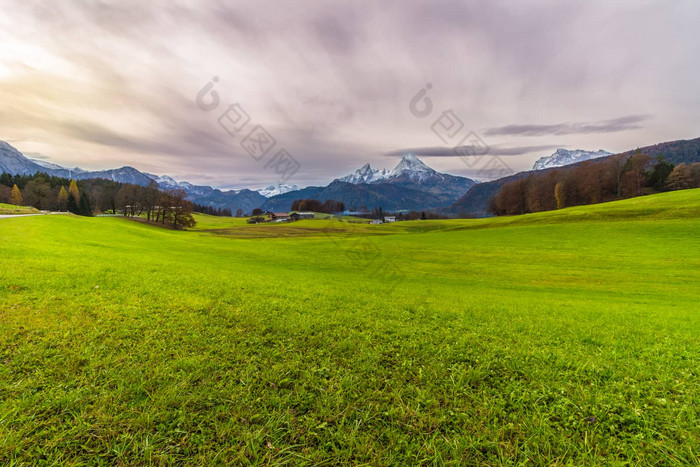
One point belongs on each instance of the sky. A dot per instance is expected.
(337, 84)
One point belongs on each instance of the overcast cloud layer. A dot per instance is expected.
(105, 84)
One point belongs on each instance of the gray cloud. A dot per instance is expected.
(111, 83)
(630, 122)
(441, 151)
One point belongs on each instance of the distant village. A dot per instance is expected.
(267, 216)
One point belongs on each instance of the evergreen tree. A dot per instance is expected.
(16, 196)
(659, 174)
(84, 208)
(72, 204)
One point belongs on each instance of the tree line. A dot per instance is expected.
(591, 182)
(91, 196)
(329, 206)
(212, 211)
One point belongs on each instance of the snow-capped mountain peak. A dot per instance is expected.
(274, 190)
(169, 183)
(166, 181)
(365, 174)
(410, 163)
(409, 168)
(564, 157)
(49, 165)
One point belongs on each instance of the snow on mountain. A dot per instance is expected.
(274, 190)
(169, 183)
(165, 181)
(365, 174)
(565, 157)
(124, 174)
(47, 164)
(59, 168)
(12, 161)
(412, 168)
(409, 167)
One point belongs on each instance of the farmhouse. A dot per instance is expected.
(256, 220)
(295, 216)
(389, 218)
(279, 217)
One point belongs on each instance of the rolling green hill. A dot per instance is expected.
(12, 209)
(564, 337)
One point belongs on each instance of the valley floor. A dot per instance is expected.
(567, 337)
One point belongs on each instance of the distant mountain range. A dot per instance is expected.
(410, 185)
(566, 157)
(14, 162)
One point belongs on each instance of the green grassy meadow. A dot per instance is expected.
(12, 209)
(569, 337)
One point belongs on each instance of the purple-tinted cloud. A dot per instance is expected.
(332, 81)
(630, 122)
(440, 151)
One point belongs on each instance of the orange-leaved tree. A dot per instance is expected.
(16, 196)
(62, 199)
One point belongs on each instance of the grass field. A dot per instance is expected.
(12, 209)
(568, 337)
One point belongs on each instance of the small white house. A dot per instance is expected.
(377, 221)
(389, 218)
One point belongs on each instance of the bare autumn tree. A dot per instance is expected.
(174, 209)
(511, 199)
(126, 200)
(634, 179)
(5, 192)
(590, 174)
(695, 172)
(616, 165)
(149, 199)
(681, 178)
(108, 197)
